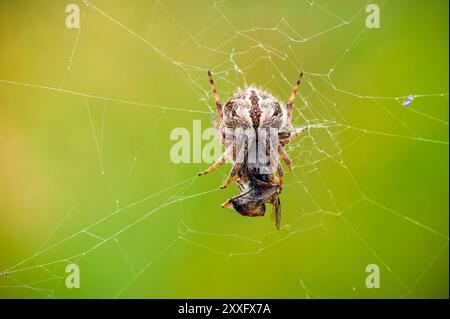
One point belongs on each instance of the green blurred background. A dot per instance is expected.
(86, 175)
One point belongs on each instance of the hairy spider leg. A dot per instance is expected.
(280, 172)
(287, 137)
(239, 157)
(284, 156)
(218, 128)
(218, 163)
(274, 157)
(233, 172)
(291, 102)
(277, 210)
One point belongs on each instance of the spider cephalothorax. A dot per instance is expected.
(254, 127)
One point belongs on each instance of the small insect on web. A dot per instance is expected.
(254, 128)
(408, 101)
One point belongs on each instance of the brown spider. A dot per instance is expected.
(254, 125)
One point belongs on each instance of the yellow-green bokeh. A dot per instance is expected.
(371, 186)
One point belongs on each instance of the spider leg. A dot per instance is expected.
(217, 129)
(233, 172)
(287, 137)
(291, 102)
(280, 177)
(218, 163)
(274, 179)
(277, 164)
(284, 156)
(218, 105)
(277, 210)
(239, 156)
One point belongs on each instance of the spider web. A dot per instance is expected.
(323, 196)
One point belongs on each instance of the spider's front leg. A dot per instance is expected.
(284, 156)
(240, 153)
(277, 210)
(287, 137)
(216, 127)
(219, 162)
(284, 139)
(234, 170)
(280, 172)
(219, 128)
(276, 165)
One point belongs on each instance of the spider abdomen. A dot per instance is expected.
(253, 108)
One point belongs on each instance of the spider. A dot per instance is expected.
(252, 124)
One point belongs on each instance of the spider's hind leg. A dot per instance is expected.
(291, 102)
